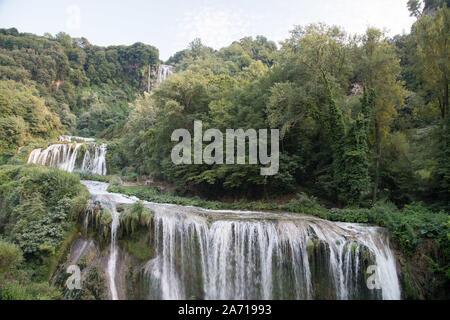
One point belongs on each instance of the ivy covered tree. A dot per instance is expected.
(351, 163)
(379, 69)
(431, 33)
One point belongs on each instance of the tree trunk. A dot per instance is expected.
(377, 169)
(149, 78)
(446, 100)
(266, 194)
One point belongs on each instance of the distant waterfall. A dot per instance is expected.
(164, 71)
(86, 155)
(209, 254)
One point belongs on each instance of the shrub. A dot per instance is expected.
(38, 209)
(134, 217)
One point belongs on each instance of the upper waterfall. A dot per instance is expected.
(164, 71)
(72, 153)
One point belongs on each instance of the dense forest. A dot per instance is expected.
(364, 134)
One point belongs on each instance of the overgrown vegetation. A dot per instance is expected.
(38, 211)
(364, 123)
(350, 110)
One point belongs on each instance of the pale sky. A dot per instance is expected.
(170, 25)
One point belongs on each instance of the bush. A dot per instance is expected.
(38, 209)
(14, 283)
(134, 217)
(87, 175)
(304, 204)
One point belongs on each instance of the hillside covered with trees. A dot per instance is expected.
(364, 134)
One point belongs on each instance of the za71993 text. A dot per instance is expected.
(246, 309)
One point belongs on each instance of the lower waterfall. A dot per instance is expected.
(207, 254)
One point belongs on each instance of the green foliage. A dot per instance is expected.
(100, 221)
(86, 88)
(305, 204)
(441, 173)
(23, 116)
(141, 251)
(14, 282)
(407, 226)
(87, 175)
(338, 139)
(31, 291)
(10, 261)
(431, 60)
(134, 217)
(38, 208)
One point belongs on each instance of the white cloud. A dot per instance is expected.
(215, 27)
(74, 17)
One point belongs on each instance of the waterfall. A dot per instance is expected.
(210, 254)
(109, 200)
(66, 138)
(95, 163)
(265, 258)
(164, 71)
(112, 262)
(66, 156)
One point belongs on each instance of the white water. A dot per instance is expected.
(66, 138)
(96, 162)
(109, 200)
(164, 71)
(64, 156)
(80, 249)
(252, 255)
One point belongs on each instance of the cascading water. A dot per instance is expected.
(266, 257)
(109, 200)
(164, 71)
(94, 159)
(66, 138)
(65, 156)
(210, 254)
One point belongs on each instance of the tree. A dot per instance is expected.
(379, 69)
(441, 174)
(23, 115)
(314, 63)
(414, 7)
(352, 172)
(429, 6)
(433, 55)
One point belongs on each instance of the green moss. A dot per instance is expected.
(137, 245)
(140, 251)
(106, 217)
(310, 247)
(135, 217)
(354, 246)
(409, 290)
